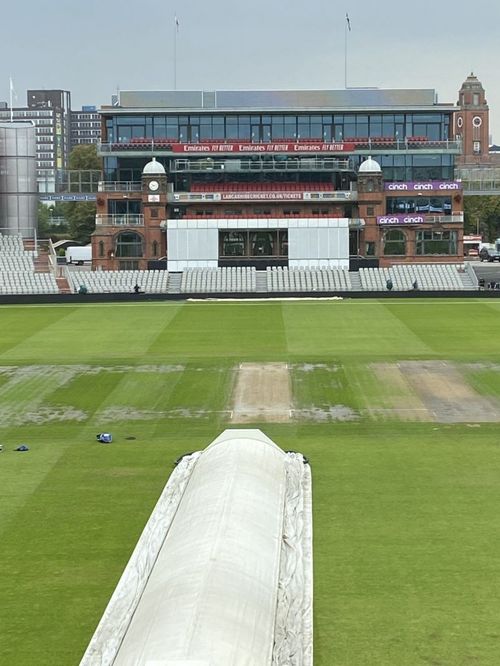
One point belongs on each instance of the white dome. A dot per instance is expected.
(153, 168)
(370, 166)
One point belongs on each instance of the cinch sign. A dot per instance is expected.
(424, 186)
(401, 219)
(261, 148)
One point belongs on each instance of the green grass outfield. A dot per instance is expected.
(406, 515)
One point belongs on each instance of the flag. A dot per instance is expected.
(176, 23)
(348, 22)
(13, 94)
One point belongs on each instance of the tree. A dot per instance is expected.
(85, 158)
(81, 219)
(83, 176)
(50, 221)
(482, 215)
(84, 170)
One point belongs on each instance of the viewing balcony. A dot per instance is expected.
(291, 146)
(119, 186)
(135, 220)
(445, 219)
(261, 164)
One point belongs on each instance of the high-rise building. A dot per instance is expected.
(85, 126)
(49, 110)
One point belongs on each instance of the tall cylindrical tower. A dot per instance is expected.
(18, 192)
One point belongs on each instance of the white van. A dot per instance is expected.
(77, 254)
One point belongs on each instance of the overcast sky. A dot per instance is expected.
(93, 47)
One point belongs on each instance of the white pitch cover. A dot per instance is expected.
(229, 581)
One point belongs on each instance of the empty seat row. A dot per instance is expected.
(307, 279)
(262, 187)
(213, 280)
(119, 282)
(425, 277)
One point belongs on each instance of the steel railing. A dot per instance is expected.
(132, 220)
(119, 186)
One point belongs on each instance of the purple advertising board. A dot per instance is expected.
(425, 186)
(409, 218)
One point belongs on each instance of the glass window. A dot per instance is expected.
(129, 244)
(394, 242)
(436, 242)
(124, 206)
(232, 243)
(316, 131)
(283, 243)
(101, 248)
(262, 243)
(129, 265)
(244, 131)
(370, 248)
(303, 131)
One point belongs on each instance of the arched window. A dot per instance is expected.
(129, 244)
(155, 248)
(101, 248)
(395, 242)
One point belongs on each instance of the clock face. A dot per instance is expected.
(460, 121)
(154, 185)
(477, 121)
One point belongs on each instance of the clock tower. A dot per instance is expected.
(154, 208)
(471, 122)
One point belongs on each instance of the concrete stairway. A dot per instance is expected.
(174, 283)
(355, 281)
(63, 285)
(261, 281)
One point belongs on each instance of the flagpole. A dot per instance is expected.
(11, 95)
(176, 27)
(346, 28)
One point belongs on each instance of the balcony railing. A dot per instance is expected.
(290, 164)
(135, 220)
(119, 186)
(444, 219)
(385, 145)
(379, 144)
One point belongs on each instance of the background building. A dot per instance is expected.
(471, 122)
(266, 178)
(49, 110)
(85, 126)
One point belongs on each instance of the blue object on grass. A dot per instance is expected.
(104, 437)
(22, 447)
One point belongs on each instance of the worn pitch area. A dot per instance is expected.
(434, 391)
(262, 393)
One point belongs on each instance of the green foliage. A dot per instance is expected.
(46, 227)
(85, 158)
(406, 565)
(482, 215)
(81, 219)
